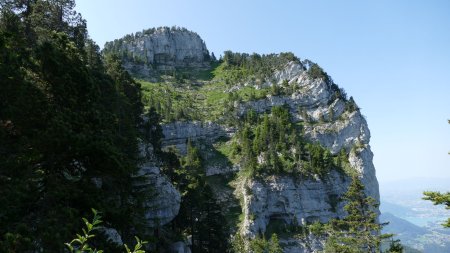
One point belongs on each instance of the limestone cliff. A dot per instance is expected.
(305, 200)
(161, 49)
(326, 115)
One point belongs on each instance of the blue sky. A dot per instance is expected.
(393, 57)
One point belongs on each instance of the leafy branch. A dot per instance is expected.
(80, 243)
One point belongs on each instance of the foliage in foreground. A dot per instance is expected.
(81, 243)
(68, 129)
(439, 199)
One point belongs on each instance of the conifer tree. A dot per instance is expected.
(359, 231)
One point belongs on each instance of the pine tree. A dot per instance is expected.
(359, 231)
(395, 247)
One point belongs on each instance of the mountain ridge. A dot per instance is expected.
(210, 112)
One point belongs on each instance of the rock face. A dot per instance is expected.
(291, 201)
(160, 49)
(164, 203)
(177, 133)
(305, 200)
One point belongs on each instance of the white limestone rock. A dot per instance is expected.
(345, 133)
(163, 49)
(164, 203)
(285, 198)
(290, 73)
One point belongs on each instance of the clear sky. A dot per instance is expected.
(393, 57)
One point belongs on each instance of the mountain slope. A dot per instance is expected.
(279, 140)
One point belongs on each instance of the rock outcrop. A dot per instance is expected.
(291, 201)
(164, 203)
(177, 133)
(161, 49)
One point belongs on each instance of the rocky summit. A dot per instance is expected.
(161, 49)
(207, 103)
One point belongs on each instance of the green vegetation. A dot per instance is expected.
(278, 145)
(69, 130)
(238, 67)
(168, 101)
(286, 230)
(351, 106)
(216, 93)
(209, 101)
(315, 72)
(256, 245)
(199, 215)
(81, 243)
(395, 247)
(359, 231)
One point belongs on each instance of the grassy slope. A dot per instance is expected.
(202, 93)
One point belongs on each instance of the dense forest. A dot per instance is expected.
(69, 130)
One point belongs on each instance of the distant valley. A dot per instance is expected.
(416, 222)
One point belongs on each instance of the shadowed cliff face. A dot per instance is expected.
(164, 203)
